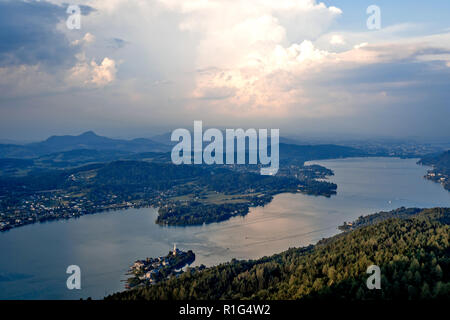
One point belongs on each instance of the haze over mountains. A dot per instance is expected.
(59, 152)
(87, 140)
(89, 143)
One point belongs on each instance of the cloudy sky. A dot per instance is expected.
(140, 67)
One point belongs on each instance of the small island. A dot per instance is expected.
(154, 270)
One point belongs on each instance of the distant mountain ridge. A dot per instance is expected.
(86, 140)
(91, 141)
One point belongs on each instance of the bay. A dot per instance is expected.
(34, 258)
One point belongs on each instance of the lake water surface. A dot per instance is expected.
(34, 258)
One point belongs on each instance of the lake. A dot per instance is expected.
(34, 258)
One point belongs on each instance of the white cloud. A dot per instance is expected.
(248, 49)
(92, 74)
(337, 39)
(361, 45)
(104, 73)
(87, 39)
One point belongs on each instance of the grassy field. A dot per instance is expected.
(212, 197)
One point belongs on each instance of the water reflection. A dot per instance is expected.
(34, 258)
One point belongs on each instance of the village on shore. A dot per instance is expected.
(153, 270)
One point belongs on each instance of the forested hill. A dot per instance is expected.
(440, 161)
(441, 168)
(412, 252)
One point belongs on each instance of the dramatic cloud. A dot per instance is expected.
(262, 77)
(28, 34)
(140, 64)
(249, 45)
(37, 56)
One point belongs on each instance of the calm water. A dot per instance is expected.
(34, 258)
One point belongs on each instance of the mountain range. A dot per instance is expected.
(87, 140)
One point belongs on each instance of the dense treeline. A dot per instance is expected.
(370, 219)
(151, 175)
(441, 168)
(224, 180)
(123, 174)
(196, 213)
(440, 161)
(159, 176)
(412, 252)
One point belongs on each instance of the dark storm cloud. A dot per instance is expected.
(28, 33)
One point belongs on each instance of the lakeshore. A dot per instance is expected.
(105, 245)
(153, 270)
